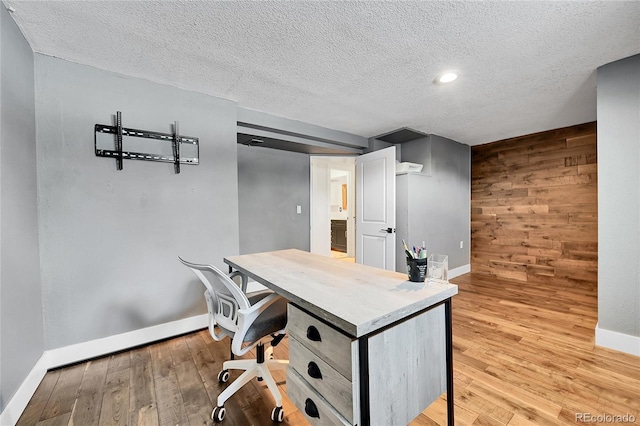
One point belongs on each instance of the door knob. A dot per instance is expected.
(388, 230)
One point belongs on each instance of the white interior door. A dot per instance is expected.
(376, 209)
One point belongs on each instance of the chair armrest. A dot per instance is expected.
(246, 318)
(247, 286)
(255, 310)
(255, 286)
(245, 279)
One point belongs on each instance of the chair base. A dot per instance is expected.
(252, 368)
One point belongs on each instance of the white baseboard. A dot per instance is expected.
(617, 341)
(461, 270)
(21, 398)
(94, 348)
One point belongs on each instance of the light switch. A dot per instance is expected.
(461, 244)
(298, 209)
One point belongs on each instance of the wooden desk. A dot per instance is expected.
(397, 351)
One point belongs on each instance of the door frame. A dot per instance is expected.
(319, 190)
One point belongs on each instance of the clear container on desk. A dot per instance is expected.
(438, 268)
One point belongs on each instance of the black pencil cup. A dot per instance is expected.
(416, 269)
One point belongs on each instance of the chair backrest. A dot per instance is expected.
(224, 297)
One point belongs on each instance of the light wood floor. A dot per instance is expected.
(342, 256)
(524, 355)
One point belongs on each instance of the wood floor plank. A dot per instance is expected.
(145, 416)
(502, 398)
(424, 420)
(197, 404)
(169, 400)
(64, 392)
(142, 402)
(477, 404)
(218, 352)
(86, 410)
(33, 411)
(437, 413)
(61, 420)
(116, 398)
(485, 420)
(208, 367)
(518, 420)
(119, 361)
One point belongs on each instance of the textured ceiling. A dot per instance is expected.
(362, 67)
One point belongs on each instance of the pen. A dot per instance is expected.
(406, 249)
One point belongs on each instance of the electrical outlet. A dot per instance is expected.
(299, 209)
(461, 244)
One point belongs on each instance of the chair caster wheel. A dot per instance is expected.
(218, 414)
(223, 376)
(277, 415)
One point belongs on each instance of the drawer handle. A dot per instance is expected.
(311, 409)
(314, 371)
(313, 334)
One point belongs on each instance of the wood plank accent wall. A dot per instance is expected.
(534, 208)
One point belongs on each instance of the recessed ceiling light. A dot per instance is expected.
(447, 77)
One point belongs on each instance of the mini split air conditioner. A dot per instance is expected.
(408, 167)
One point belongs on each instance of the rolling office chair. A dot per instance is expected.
(249, 320)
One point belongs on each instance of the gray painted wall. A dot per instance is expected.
(436, 207)
(619, 196)
(109, 239)
(21, 325)
(271, 183)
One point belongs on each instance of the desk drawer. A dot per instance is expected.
(324, 379)
(313, 406)
(329, 344)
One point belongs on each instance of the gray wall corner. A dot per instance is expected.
(438, 209)
(21, 318)
(618, 87)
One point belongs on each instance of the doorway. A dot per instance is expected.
(371, 206)
(333, 206)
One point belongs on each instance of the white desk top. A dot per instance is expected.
(355, 298)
